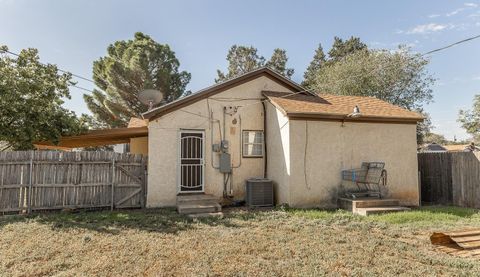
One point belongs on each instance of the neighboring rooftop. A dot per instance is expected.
(304, 105)
(433, 147)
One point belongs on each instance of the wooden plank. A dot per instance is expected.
(466, 239)
(463, 233)
(129, 174)
(469, 244)
(121, 201)
(68, 180)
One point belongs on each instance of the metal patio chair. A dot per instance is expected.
(368, 179)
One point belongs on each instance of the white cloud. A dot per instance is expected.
(427, 28)
(455, 12)
(471, 5)
(433, 15)
(476, 78)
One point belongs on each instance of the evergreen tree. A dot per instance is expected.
(243, 59)
(278, 63)
(128, 68)
(342, 48)
(313, 69)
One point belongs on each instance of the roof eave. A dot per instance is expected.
(97, 138)
(209, 91)
(343, 117)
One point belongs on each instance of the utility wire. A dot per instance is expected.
(82, 88)
(451, 45)
(288, 95)
(59, 69)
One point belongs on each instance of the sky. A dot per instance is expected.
(74, 33)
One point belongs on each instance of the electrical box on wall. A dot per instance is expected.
(225, 163)
(224, 144)
(216, 147)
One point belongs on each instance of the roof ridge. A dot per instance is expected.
(213, 89)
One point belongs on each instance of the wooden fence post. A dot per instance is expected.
(113, 183)
(143, 196)
(30, 184)
(419, 188)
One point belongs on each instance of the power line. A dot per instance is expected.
(451, 45)
(59, 69)
(82, 88)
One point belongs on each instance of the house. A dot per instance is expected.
(433, 148)
(268, 126)
(462, 148)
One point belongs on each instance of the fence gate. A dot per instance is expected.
(436, 177)
(129, 185)
(47, 180)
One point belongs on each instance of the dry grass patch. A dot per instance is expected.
(270, 243)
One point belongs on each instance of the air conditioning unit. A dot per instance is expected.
(259, 192)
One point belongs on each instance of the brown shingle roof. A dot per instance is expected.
(220, 87)
(338, 107)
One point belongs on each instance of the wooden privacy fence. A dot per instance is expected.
(46, 180)
(450, 178)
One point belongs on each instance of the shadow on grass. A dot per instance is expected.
(112, 222)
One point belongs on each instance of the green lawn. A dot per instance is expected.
(280, 242)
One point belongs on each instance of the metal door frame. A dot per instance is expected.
(179, 159)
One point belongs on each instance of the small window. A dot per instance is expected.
(253, 144)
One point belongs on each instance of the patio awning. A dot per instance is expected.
(96, 138)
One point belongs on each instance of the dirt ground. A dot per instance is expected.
(280, 242)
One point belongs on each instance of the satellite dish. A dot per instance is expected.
(150, 97)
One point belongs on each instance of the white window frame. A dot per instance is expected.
(246, 144)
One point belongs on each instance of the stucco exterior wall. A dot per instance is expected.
(163, 140)
(139, 145)
(315, 179)
(278, 152)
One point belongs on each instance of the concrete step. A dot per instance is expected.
(203, 215)
(196, 198)
(380, 210)
(352, 204)
(359, 203)
(198, 208)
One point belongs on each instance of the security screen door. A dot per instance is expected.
(191, 154)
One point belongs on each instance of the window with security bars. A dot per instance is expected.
(253, 144)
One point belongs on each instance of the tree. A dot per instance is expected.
(341, 49)
(316, 64)
(424, 128)
(278, 63)
(470, 119)
(31, 101)
(243, 59)
(128, 68)
(435, 138)
(399, 77)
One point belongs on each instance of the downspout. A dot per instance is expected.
(211, 138)
(239, 143)
(265, 160)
